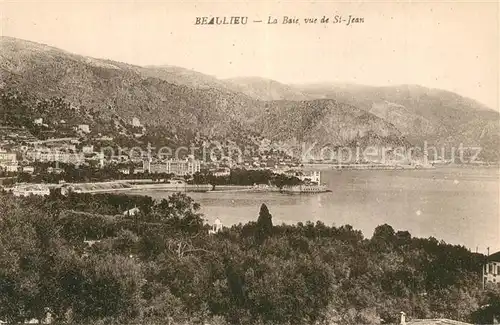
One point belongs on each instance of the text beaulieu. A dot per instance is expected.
(226, 20)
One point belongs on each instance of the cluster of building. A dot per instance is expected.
(267, 161)
(66, 151)
(80, 128)
(13, 135)
(8, 161)
(71, 151)
(31, 189)
(24, 151)
(20, 159)
(21, 148)
(65, 154)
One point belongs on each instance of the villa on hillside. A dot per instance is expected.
(491, 270)
(132, 212)
(84, 128)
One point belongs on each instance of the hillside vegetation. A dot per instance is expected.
(80, 258)
(112, 87)
(188, 102)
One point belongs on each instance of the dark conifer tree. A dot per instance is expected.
(264, 224)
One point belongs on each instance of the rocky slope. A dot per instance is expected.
(113, 87)
(438, 117)
(181, 99)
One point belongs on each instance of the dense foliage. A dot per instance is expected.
(80, 258)
(246, 177)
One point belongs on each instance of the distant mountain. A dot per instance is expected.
(264, 89)
(254, 87)
(422, 114)
(182, 76)
(180, 99)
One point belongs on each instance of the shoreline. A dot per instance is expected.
(326, 166)
(120, 186)
(139, 185)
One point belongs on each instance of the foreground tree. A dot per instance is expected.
(264, 226)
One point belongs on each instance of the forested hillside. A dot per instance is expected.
(79, 258)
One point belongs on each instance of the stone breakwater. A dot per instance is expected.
(103, 187)
(114, 187)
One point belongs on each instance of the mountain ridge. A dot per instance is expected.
(178, 98)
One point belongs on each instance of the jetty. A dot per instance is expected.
(168, 186)
(293, 189)
(324, 166)
(106, 187)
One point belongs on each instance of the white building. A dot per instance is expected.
(84, 128)
(222, 172)
(28, 169)
(313, 176)
(491, 270)
(7, 157)
(173, 166)
(48, 155)
(306, 176)
(10, 168)
(136, 122)
(8, 161)
(216, 227)
(52, 170)
(132, 212)
(125, 171)
(88, 149)
(38, 121)
(138, 170)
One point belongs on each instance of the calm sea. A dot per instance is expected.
(457, 205)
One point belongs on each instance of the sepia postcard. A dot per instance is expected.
(249, 162)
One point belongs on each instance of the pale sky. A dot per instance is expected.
(447, 45)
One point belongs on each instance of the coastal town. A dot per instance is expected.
(81, 162)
